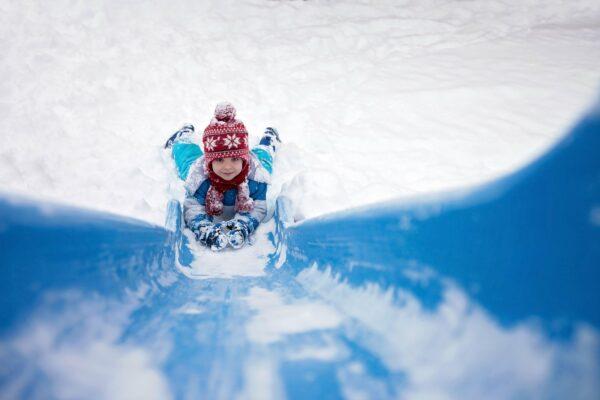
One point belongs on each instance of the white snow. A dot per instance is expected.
(373, 99)
(245, 262)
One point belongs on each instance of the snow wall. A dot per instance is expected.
(492, 292)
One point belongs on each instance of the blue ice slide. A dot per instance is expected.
(488, 293)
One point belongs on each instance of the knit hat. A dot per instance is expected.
(225, 136)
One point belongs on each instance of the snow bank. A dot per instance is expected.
(373, 99)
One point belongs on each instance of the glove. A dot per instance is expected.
(238, 233)
(212, 236)
(197, 223)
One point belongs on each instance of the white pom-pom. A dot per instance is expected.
(225, 111)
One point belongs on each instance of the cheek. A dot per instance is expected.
(215, 167)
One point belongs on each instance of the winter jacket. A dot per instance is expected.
(197, 185)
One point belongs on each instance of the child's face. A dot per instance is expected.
(227, 168)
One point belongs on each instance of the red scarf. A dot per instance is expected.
(218, 187)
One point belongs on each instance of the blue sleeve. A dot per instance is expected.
(194, 211)
(200, 194)
(258, 190)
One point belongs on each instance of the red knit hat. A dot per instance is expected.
(225, 136)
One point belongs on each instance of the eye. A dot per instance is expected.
(219, 160)
(234, 159)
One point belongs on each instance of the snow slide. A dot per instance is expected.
(491, 293)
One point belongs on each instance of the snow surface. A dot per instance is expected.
(373, 99)
(248, 261)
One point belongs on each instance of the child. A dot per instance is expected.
(227, 184)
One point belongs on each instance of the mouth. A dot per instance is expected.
(228, 175)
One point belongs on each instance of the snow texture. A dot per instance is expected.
(373, 100)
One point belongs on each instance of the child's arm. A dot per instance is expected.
(194, 214)
(244, 224)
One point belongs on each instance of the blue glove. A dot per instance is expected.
(238, 232)
(212, 236)
(199, 222)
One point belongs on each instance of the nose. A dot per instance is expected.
(228, 165)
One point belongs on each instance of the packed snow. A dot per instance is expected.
(373, 99)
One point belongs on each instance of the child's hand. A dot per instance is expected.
(196, 224)
(238, 233)
(212, 236)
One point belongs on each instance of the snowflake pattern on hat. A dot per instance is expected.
(225, 136)
(210, 143)
(232, 141)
